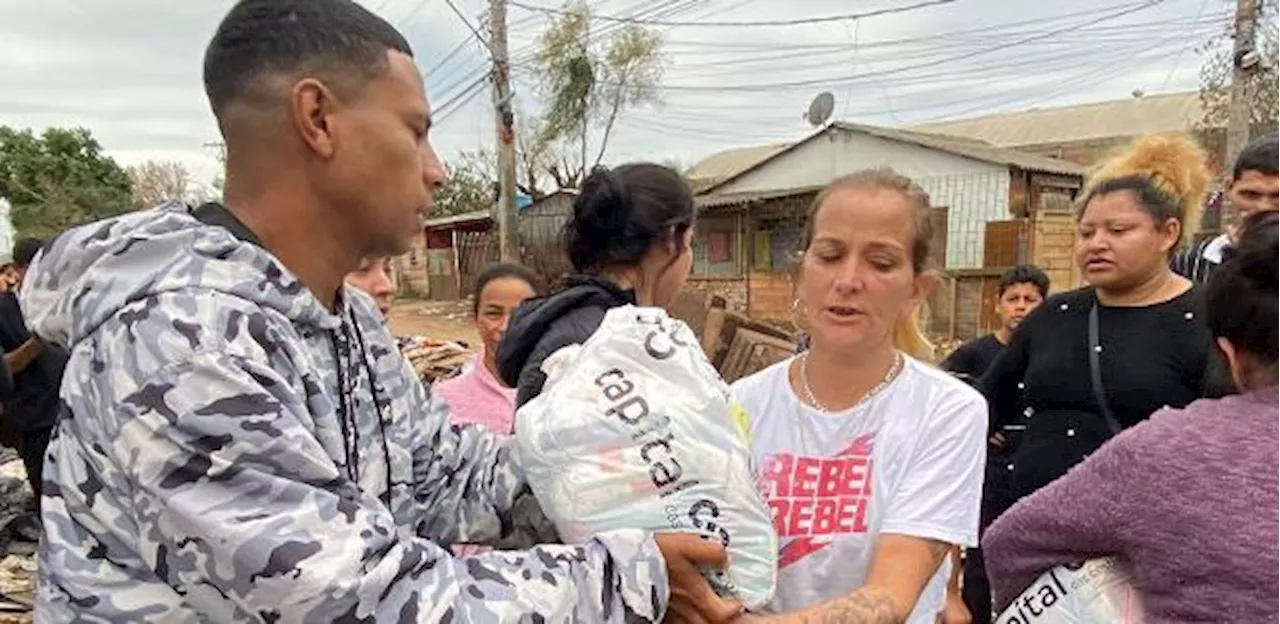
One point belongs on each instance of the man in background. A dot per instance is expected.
(1022, 288)
(1255, 187)
(31, 410)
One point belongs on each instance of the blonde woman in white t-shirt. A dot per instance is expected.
(871, 461)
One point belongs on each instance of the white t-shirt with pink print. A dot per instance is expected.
(908, 461)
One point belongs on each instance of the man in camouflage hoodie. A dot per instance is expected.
(241, 441)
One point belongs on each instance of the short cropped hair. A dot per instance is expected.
(337, 40)
(1259, 155)
(1025, 274)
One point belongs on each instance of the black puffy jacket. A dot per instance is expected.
(540, 327)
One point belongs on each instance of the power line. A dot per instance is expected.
(643, 10)
(950, 39)
(721, 46)
(413, 12)
(1178, 59)
(788, 22)
(841, 79)
(456, 102)
(452, 53)
(797, 63)
(467, 22)
(1047, 86)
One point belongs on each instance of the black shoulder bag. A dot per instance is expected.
(1095, 371)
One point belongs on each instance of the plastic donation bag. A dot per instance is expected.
(1097, 591)
(634, 429)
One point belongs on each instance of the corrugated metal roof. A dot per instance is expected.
(729, 163)
(961, 146)
(727, 200)
(971, 149)
(1173, 112)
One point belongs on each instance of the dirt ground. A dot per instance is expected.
(438, 320)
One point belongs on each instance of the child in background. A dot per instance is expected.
(374, 278)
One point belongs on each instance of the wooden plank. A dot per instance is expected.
(1004, 243)
(753, 351)
(939, 216)
(692, 309)
(711, 331)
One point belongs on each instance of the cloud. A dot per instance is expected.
(133, 76)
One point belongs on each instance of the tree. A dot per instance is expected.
(159, 181)
(471, 186)
(1216, 74)
(536, 160)
(58, 180)
(591, 80)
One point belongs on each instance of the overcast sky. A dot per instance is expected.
(129, 70)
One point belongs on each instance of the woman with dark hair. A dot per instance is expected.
(1091, 362)
(629, 243)
(1187, 499)
(477, 395)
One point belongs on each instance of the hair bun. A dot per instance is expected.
(621, 213)
(1174, 163)
(603, 206)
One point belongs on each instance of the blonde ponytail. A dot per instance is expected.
(910, 339)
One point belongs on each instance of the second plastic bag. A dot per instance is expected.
(635, 430)
(1098, 591)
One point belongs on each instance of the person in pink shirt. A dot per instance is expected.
(477, 395)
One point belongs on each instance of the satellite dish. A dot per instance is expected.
(820, 109)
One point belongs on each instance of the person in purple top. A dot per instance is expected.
(1188, 498)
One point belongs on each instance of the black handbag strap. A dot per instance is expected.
(1095, 371)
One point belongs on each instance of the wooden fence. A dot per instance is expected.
(476, 251)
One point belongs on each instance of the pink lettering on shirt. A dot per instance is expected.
(814, 499)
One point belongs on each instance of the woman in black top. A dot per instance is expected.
(1153, 346)
(630, 242)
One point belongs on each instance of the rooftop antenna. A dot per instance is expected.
(820, 109)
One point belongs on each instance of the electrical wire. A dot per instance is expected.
(1100, 34)
(458, 101)
(967, 55)
(1032, 89)
(787, 22)
(467, 22)
(414, 11)
(1178, 59)
(1026, 62)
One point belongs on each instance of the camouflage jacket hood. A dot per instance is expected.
(232, 451)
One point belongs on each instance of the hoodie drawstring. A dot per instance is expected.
(347, 385)
(346, 421)
(377, 406)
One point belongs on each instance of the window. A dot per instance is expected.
(717, 247)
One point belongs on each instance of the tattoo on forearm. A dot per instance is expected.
(865, 606)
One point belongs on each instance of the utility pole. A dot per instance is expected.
(504, 118)
(1245, 60)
